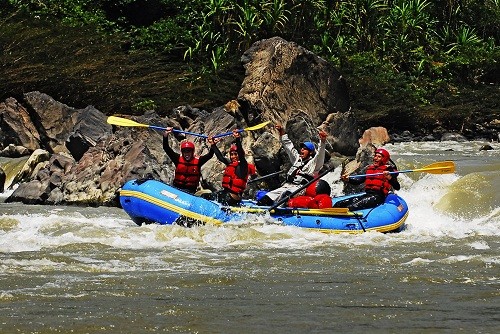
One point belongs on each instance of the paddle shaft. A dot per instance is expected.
(265, 176)
(228, 133)
(120, 121)
(398, 172)
(178, 131)
(441, 168)
(375, 174)
(250, 128)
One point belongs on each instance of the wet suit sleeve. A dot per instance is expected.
(174, 156)
(356, 180)
(290, 150)
(206, 157)
(394, 180)
(320, 157)
(242, 168)
(219, 155)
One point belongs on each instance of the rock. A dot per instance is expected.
(90, 128)
(14, 151)
(269, 160)
(486, 147)
(64, 129)
(103, 169)
(429, 137)
(55, 120)
(25, 173)
(282, 77)
(344, 132)
(2, 180)
(32, 192)
(364, 157)
(286, 84)
(451, 136)
(376, 136)
(16, 126)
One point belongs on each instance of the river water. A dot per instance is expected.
(92, 270)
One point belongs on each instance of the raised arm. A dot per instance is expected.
(242, 169)
(174, 156)
(320, 157)
(204, 158)
(290, 150)
(213, 146)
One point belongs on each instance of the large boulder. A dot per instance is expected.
(16, 126)
(90, 128)
(283, 77)
(54, 120)
(287, 84)
(64, 129)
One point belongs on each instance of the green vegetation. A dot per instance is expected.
(407, 50)
(442, 40)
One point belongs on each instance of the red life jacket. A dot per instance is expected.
(378, 182)
(321, 201)
(300, 201)
(187, 173)
(232, 182)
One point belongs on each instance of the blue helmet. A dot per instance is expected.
(308, 146)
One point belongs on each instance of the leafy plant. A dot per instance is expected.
(144, 105)
(247, 22)
(275, 16)
(421, 39)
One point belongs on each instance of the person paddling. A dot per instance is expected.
(377, 187)
(187, 165)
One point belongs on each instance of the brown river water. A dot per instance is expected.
(92, 270)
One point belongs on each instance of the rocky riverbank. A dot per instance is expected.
(75, 157)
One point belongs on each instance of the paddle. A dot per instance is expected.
(265, 176)
(443, 167)
(250, 128)
(286, 198)
(114, 120)
(302, 211)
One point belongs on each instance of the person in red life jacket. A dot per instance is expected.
(317, 196)
(377, 187)
(187, 165)
(236, 174)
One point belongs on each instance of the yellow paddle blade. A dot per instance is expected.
(250, 128)
(443, 167)
(114, 120)
(258, 126)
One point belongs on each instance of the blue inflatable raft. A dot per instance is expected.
(152, 201)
